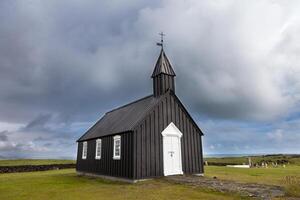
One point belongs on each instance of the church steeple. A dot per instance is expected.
(163, 75)
(163, 65)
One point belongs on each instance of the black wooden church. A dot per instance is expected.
(150, 137)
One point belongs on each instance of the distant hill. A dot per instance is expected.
(2, 157)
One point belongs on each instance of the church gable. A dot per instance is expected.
(170, 109)
(147, 135)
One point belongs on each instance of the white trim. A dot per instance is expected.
(117, 138)
(98, 146)
(84, 149)
(168, 131)
(172, 130)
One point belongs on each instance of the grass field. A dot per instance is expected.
(288, 177)
(65, 184)
(34, 162)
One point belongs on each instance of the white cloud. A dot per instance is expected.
(21, 147)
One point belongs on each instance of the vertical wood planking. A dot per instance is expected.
(135, 154)
(193, 156)
(161, 125)
(148, 143)
(139, 152)
(201, 157)
(142, 149)
(196, 149)
(152, 145)
(184, 157)
(106, 165)
(156, 142)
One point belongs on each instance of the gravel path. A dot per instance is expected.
(258, 191)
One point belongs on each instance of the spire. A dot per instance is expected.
(163, 65)
(163, 73)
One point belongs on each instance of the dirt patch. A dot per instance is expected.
(258, 191)
(33, 168)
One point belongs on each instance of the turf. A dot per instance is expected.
(288, 177)
(65, 184)
(34, 162)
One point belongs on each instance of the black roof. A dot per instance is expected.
(125, 118)
(163, 65)
(121, 119)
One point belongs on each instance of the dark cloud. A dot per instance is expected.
(48, 144)
(64, 63)
(72, 60)
(50, 65)
(3, 136)
(42, 137)
(38, 123)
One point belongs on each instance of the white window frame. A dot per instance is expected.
(117, 138)
(84, 150)
(98, 146)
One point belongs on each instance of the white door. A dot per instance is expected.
(172, 150)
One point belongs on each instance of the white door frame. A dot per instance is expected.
(173, 131)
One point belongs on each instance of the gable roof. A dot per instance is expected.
(163, 65)
(125, 118)
(121, 119)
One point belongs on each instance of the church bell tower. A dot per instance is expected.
(163, 75)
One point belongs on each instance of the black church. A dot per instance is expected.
(151, 137)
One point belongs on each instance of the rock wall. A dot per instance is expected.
(32, 168)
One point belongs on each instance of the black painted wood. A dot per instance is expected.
(142, 149)
(107, 165)
(162, 83)
(157, 120)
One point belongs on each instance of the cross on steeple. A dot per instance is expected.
(161, 43)
(163, 73)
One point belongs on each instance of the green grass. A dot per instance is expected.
(288, 177)
(65, 184)
(34, 162)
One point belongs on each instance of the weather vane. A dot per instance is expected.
(161, 43)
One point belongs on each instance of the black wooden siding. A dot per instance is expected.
(107, 165)
(162, 83)
(142, 149)
(148, 144)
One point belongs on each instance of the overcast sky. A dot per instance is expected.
(64, 63)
